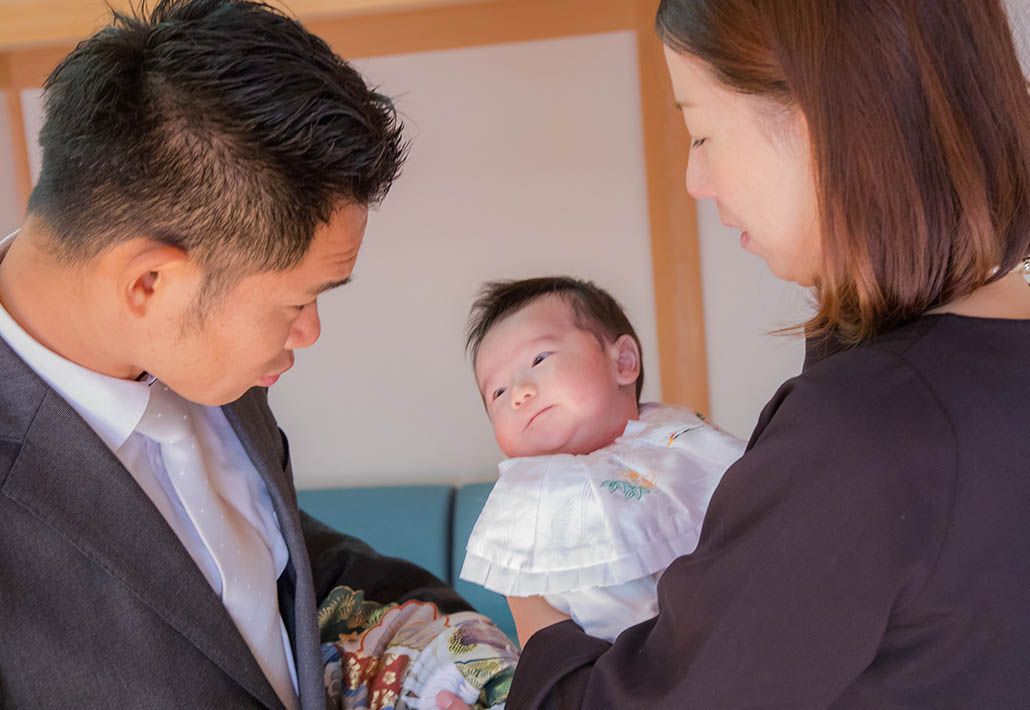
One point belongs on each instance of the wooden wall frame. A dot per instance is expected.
(35, 36)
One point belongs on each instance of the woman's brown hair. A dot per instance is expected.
(919, 118)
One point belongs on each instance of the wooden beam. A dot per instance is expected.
(37, 23)
(29, 68)
(434, 26)
(471, 25)
(675, 243)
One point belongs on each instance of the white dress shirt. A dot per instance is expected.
(113, 407)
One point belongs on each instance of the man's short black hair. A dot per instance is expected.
(593, 308)
(219, 126)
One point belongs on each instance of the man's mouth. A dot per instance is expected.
(269, 380)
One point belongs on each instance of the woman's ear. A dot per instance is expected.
(626, 354)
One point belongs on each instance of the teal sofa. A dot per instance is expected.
(428, 525)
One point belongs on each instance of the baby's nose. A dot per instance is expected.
(522, 395)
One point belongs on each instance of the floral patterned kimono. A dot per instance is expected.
(392, 657)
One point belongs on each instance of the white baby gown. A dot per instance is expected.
(593, 533)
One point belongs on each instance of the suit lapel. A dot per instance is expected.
(68, 478)
(255, 426)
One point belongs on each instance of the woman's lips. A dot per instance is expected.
(745, 239)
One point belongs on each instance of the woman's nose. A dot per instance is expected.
(698, 184)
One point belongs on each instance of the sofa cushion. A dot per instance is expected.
(411, 522)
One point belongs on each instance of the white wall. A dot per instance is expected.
(32, 115)
(527, 160)
(10, 207)
(1019, 17)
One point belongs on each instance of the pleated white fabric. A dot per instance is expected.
(593, 533)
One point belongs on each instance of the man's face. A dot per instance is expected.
(247, 338)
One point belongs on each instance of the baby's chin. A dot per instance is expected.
(522, 449)
(570, 443)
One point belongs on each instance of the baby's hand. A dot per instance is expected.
(449, 701)
(532, 614)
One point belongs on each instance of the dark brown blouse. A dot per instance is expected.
(870, 550)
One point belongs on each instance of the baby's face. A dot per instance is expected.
(549, 386)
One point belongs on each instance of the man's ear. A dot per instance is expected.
(626, 353)
(147, 271)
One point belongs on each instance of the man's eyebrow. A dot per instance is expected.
(330, 285)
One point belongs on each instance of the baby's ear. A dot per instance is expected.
(627, 359)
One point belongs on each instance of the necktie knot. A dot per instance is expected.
(167, 417)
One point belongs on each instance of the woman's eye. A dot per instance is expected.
(540, 358)
(697, 142)
(497, 393)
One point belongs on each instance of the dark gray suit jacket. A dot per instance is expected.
(100, 604)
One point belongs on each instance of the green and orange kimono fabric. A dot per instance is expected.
(399, 656)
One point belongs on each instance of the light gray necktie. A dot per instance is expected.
(241, 555)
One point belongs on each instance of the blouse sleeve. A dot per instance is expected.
(832, 520)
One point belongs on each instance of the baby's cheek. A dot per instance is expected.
(592, 392)
(505, 437)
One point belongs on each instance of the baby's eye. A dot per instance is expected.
(497, 393)
(697, 142)
(540, 358)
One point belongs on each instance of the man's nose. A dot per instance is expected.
(522, 393)
(306, 329)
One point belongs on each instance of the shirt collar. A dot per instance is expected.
(112, 407)
(820, 347)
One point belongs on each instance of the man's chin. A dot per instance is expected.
(208, 398)
(268, 380)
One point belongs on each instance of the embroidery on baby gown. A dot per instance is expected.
(630, 484)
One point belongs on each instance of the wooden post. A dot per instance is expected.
(16, 128)
(675, 245)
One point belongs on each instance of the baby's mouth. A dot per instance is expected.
(539, 412)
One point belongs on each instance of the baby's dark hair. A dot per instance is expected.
(593, 308)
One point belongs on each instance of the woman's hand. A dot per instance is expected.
(532, 614)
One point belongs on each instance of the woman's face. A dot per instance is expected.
(754, 160)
